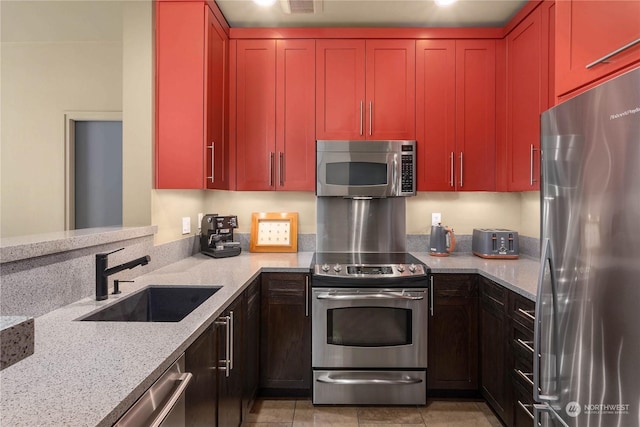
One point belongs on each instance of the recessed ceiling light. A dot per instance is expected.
(442, 2)
(265, 3)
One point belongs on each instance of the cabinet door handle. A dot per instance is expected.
(431, 295)
(370, 118)
(525, 409)
(526, 345)
(281, 168)
(213, 158)
(461, 169)
(306, 296)
(525, 377)
(614, 53)
(451, 156)
(231, 340)
(361, 117)
(531, 180)
(271, 156)
(226, 321)
(528, 314)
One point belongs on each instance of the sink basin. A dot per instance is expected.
(155, 304)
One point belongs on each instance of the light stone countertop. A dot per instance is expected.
(90, 373)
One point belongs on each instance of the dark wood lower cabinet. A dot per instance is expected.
(494, 349)
(285, 334)
(251, 347)
(201, 395)
(230, 356)
(453, 334)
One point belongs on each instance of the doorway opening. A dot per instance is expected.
(93, 170)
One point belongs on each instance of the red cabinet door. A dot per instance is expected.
(340, 89)
(435, 111)
(180, 39)
(217, 154)
(295, 115)
(475, 154)
(526, 100)
(589, 30)
(255, 114)
(390, 89)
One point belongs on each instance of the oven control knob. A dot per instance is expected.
(337, 268)
(413, 268)
(325, 268)
(400, 268)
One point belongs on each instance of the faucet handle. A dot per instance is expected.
(105, 254)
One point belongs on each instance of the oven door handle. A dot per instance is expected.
(376, 296)
(365, 381)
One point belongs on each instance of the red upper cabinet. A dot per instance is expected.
(456, 105)
(527, 98)
(190, 68)
(475, 154)
(365, 89)
(274, 114)
(435, 111)
(587, 31)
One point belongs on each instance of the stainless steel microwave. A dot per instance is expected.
(366, 168)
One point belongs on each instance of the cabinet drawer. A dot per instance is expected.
(522, 344)
(522, 310)
(522, 406)
(455, 285)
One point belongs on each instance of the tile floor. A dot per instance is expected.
(437, 413)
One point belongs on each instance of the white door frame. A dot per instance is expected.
(70, 119)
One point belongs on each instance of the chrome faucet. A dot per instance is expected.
(102, 272)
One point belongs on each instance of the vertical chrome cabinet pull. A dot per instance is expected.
(451, 183)
(231, 340)
(370, 118)
(361, 117)
(614, 53)
(461, 169)
(306, 296)
(281, 168)
(213, 158)
(226, 321)
(271, 156)
(431, 296)
(531, 179)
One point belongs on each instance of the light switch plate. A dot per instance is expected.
(186, 225)
(436, 218)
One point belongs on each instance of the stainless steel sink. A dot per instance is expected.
(154, 304)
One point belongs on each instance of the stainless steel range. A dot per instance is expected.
(369, 323)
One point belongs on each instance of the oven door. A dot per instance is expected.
(369, 328)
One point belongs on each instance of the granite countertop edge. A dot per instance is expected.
(71, 357)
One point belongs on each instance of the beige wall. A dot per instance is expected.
(40, 81)
(530, 208)
(168, 207)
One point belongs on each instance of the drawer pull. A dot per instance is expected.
(525, 344)
(525, 408)
(527, 377)
(528, 314)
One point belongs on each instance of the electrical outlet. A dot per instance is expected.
(200, 216)
(186, 225)
(436, 218)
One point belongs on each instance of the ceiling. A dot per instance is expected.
(373, 13)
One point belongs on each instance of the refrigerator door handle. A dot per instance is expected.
(545, 262)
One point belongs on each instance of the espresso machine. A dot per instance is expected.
(216, 236)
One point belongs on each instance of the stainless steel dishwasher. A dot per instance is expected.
(163, 404)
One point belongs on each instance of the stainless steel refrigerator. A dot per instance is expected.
(587, 331)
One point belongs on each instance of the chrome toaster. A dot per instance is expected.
(495, 243)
